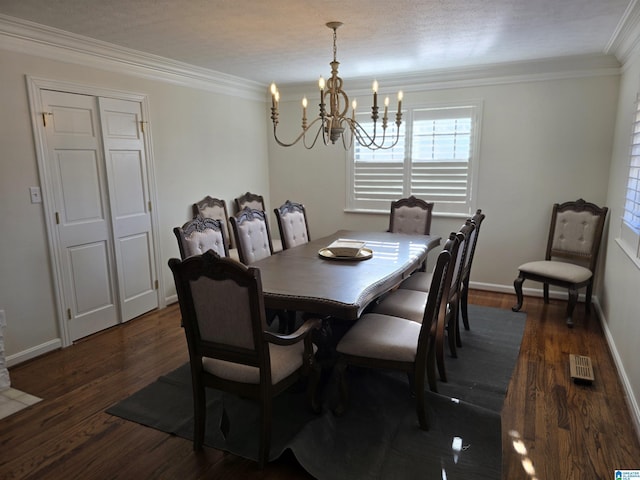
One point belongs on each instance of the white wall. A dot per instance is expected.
(621, 286)
(542, 142)
(204, 143)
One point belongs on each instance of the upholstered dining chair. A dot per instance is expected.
(409, 304)
(230, 348)
(252, 235)
(199, 235)
(387, 342)
(410, 215)
(256, 202)
(216, 208)
(571, 256)
(477, 220)
(292, 223)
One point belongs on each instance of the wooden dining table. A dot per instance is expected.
(300, 279)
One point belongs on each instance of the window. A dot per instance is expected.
(630, 228)
(435, 159)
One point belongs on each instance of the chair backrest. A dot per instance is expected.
(576, 232)
(410, 215)
(222, 310)
(249, 200)
(292, 223)
(215, 208)
(477, 220)
(251, 232)
(435, 309)
(463, 236)
(200, 235)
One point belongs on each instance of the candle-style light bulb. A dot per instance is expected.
(400, 97)
(354, 104)
(277, 97)
(321, 82)
(386, 101)
(375, 94)
(274, 90)
(304, 102)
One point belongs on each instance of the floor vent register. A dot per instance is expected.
(581, 369)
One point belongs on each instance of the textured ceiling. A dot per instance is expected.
(287, 41)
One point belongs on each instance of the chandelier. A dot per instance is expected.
(335, 123)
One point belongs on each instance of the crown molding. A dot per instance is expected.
(34, 39)
(625, 40)
(482, 75)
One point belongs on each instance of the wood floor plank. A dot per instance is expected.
(569, 431)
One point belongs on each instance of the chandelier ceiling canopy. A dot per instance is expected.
(335, 123)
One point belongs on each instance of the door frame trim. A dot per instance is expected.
(34, 87)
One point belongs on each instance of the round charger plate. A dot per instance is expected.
(364, 254)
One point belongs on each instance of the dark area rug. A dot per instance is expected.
(378, 437)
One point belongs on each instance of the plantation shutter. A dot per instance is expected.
(441, 156)
(632, 199)
(379, 175)
(433, 160)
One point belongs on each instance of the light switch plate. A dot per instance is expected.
(36, 196)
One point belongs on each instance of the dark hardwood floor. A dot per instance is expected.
(569, 431)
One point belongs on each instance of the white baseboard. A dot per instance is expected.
(531, 292)
(634, 408)
(34, 352)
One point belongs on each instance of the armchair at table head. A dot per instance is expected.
(410, 215)
(251, 232)
(571, 256)
(199, 235)
(230, 349)
(292, 223)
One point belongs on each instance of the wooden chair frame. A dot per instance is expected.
(424, 364)
(207, 202)
(412, 202)
(247, 215)
(199, 224)
(211, 266)
(281, 212)
(590, 259)
(477, 220)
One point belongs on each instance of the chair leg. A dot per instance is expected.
(573, 299)
(517, 285)
(343, 389)
(587, 299)
(545, 292)
(464, 300)
(312, 387)
(421, 401)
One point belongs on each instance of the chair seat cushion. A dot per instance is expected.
(418, 281)
(566, 272)
(284, 361)
(403, 303)
(382, 337)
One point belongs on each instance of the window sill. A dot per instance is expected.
(629, 252)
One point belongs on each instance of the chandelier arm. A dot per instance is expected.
(315, 139)
(297, 139)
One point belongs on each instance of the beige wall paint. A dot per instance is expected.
(203, 144)
(621, 285)
(541, 142)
